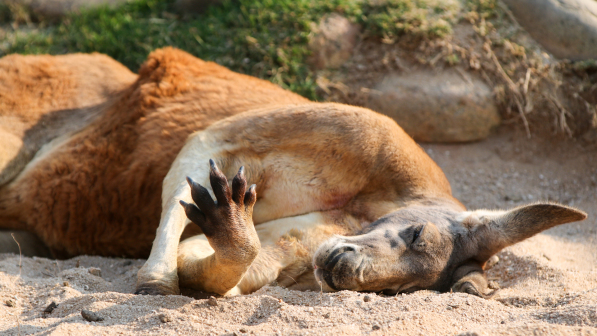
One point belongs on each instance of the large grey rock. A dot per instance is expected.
(55, 9)
(333, 41)
(565, 28)
(437, 107)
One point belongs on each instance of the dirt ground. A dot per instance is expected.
(548, 283)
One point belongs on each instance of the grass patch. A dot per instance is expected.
(268, 38)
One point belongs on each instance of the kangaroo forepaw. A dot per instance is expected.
(227, 223)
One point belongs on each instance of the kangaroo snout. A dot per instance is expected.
(339, 265)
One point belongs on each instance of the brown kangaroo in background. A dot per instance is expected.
(322, 195)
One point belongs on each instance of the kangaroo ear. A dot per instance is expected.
(495, 230)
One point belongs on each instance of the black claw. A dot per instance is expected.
(201, 196)
(198, 217)
(239, 186)
(219, 184)
(251, 196)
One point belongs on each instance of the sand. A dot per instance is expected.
(548, 283)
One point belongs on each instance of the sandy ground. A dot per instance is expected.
(549, 282)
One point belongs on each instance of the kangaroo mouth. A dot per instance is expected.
(340, 269)
(324, 276)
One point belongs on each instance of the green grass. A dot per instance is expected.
(264, 38)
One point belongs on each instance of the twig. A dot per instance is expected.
(527, 78)
(486, 77)
(464, 76)
(514, 89)
(436, 58)
(562, 116)
(20, 254)
(528, 103)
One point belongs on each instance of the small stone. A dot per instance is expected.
(91, 316)
(50, 308)
(212, 301)
(66, 284)
(376, 327)
(164, 318)
(326, 315)
(366, 298)
(95, 271)
(78, 264)
(333, 41)
(242, 330)
(10, 303)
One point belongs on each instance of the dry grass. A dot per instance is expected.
(543, 95)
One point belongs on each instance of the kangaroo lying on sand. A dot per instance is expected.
(321, 195)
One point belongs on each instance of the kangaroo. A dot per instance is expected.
(280, 189)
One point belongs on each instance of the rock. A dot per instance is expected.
(164, 318)
(212, 301)
(194, 6)
(91, 316)
(437, 107)
(565, 28)
(366, 298)
(10, 303)
(49, 309)
(55, 9)
(333, 41)
(95, 271)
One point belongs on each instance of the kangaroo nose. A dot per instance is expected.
(336, 255)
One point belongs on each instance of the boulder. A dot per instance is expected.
(55, 9)
(333, 41)
(437, 107)
(565, 28)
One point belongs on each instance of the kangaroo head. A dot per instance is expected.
(424, 247)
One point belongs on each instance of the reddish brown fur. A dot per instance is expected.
(43, 97)
(100, 192)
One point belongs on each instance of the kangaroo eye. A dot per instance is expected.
(417, 234)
